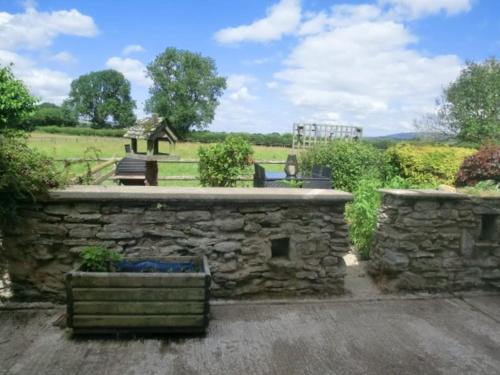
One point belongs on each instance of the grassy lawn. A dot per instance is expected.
(65, 146)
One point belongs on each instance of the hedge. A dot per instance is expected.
(431, 165)
(350, 162)
(81, 131)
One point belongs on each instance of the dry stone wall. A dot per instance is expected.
(430, 240)
(264, 242)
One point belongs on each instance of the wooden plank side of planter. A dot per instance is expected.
(118, 321)
(137, 280)
(139, 294)
(138, 308)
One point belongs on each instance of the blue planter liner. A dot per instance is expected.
(154, 266)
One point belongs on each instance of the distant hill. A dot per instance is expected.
(399, 136)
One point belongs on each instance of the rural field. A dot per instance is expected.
(63, 147)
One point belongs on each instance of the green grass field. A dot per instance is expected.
(65, 146)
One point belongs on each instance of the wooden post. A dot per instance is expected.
(156, 147)
(151, 173)
(133, 142)
(150, 145)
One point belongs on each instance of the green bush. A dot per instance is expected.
(25, 174)
(482, 166)
(98, 259)
(82, 131)
(350, 161)
(362, 214)
(221, 164)
(430, 165)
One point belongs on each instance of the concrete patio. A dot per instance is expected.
(387, 335)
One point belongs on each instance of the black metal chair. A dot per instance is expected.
(259, 177)
(321, 178)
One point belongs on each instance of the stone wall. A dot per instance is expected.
(431, 240)
(257, 241)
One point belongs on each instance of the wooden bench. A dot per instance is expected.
(131, 171)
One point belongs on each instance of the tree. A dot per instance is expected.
(103, 97)
(470, 106)
(185, 89)
(16, 102)
(47, 114)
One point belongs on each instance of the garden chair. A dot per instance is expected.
(131, 171)
(259, 177)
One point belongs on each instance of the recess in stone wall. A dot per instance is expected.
(488, 227)
(280, 248)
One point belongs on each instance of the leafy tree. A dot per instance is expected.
(104, 98)
(16, 102)
(48, 114)
(185, 89)
(470, 106)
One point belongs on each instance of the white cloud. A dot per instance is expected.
(133, 70)
(272, 85)
(133, 48)
(313, 25)
(361, 68)
(417, 8)
(47, 84)
(238, 87)
(35, 30)
(281, 18)
(63, 57)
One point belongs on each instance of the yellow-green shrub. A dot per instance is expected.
(431, 165)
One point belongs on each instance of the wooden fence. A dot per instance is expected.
(97, 178)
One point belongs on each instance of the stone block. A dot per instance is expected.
(227, 246)
(193, 216)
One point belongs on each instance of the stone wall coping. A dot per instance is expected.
(89, 193)
(423, 193)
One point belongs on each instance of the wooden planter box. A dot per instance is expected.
(136, 302)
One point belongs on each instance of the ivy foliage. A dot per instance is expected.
(221, 163)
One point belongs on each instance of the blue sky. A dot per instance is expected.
(377, 64)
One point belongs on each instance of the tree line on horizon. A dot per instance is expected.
(186, 89)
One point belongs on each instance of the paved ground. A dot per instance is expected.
(390, 335)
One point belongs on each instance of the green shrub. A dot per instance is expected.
(81, 131)
(221, 164)
(430, 165)
(483, 165)
(25, 174)
(350, 162)
(98, 259)
(362, 214)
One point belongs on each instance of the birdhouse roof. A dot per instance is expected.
(151, 128)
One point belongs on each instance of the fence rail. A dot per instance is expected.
(97, 178)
